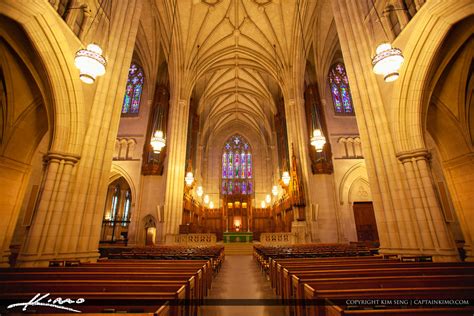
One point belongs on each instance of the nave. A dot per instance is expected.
(241, 279)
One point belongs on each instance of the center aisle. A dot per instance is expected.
(240, 278)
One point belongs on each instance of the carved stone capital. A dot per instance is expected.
(58, 156)
(416, 154)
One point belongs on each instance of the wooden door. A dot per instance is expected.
(366, 225)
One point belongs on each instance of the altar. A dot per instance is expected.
(237, 237)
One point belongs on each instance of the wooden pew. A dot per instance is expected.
(202, 282)
(334, 309)
(98, 302)
(383, 282)
(314, 261)
(285, 283)
(205, 265)
(298, 280)
(313, 298)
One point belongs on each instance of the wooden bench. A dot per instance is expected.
(284, 281)
(99, 302)
(383, 282)
(315, 299)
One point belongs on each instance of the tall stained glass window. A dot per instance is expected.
(341, 93)
(133, 91)
(236, 167)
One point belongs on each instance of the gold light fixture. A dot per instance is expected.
(158, 142)
(318, 140)
(199, 191)
(189, 178)
(263, 205)
(275, 190)
(387, 61)
(286, 178)
(90, 63)
(268, 199)
(206, 199)
(211, 205)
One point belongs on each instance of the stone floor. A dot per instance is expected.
(240, 279)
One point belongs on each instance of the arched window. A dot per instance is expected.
(341, 93)
(133, 91)
(115, 200)
(236, 167)
(126, 208)
(117, 212)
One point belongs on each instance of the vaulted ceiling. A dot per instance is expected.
(236, 56)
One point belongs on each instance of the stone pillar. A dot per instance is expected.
(296, 129)
(13, 181)
(71, 230)
(44, 233)
(175, 170)
(407, 215)
(435, 238)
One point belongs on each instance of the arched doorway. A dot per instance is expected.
(117, 213)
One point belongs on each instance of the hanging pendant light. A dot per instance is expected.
(90, 63)
(158, 142)
(206, 199)
(211, 205)
(199, 191)
(318, 140)
(268, 199)
(189, 178)
(387, 61)
(286, 178)
(275, 190)
(263, 205)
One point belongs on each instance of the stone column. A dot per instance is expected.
(175, 170)
(296, 129)
(405, 213)
(435, 237)
(44, 233)
(69, 218)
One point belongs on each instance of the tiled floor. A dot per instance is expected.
(240, 279)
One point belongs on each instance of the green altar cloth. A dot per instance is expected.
(238, 236)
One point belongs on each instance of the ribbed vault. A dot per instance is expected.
(234, 56)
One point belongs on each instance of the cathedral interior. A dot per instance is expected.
(239, 124)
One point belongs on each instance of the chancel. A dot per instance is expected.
(154, 152)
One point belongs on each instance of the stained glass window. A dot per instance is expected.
(341, 93)
(133, 91)
(236, 167)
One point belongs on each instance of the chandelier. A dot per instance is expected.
(286, 177)
(90, 63)
(206, 199)
(189, 178)
(275, 190)
(318, 140)
(263, 205)
(158, 142)
(211, 205)
(268, 199)
(387, 61)
(199, 191)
